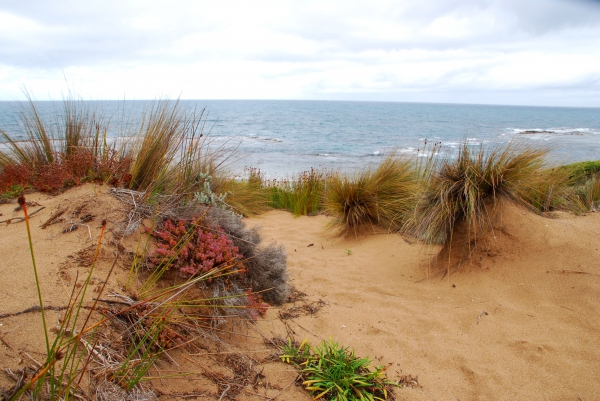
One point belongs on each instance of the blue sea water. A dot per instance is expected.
(287, 137)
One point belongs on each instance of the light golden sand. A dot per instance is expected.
(538, 341)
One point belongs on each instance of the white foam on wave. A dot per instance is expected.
(555, 131)
(262, 138)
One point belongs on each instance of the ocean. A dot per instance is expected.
(283, 138)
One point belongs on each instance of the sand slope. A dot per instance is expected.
(538, 341)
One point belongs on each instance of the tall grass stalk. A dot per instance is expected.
(23, 204)
(64, 350)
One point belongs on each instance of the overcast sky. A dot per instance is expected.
(530, 52)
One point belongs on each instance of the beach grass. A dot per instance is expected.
(173, 155)
(381, 197)
(301, 195)
(467, 188)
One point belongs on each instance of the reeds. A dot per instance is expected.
(301, 195)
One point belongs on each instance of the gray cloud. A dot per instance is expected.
(76, 33)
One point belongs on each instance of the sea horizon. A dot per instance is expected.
(286, 137)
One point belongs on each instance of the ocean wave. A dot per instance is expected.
(555, 131)
(375, 153)
(262, 138)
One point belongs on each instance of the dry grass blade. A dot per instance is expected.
(161, 134)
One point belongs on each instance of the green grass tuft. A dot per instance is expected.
(301, 195)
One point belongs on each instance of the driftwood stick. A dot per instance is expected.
(37, 308)
(53, 217)
(20, 219)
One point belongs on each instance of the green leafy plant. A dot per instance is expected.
(334, 372)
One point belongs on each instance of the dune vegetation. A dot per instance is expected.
(172, 174)
(170, 158)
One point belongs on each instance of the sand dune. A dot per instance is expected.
(517, 322)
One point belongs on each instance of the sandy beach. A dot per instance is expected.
(519, 321)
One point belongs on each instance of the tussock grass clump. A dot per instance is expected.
(468, 187)
(60, 152)
(162, 131)
(78, 126)
(248, 198)
(382, 197)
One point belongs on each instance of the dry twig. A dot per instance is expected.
(567, 271)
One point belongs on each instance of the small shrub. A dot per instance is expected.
(15, 175)
(192, 248)
(266, 266)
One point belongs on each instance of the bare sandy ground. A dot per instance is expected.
(518, 322)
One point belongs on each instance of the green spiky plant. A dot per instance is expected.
(381, 197)
(334, 372)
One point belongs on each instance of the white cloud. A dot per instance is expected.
(456, 50)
